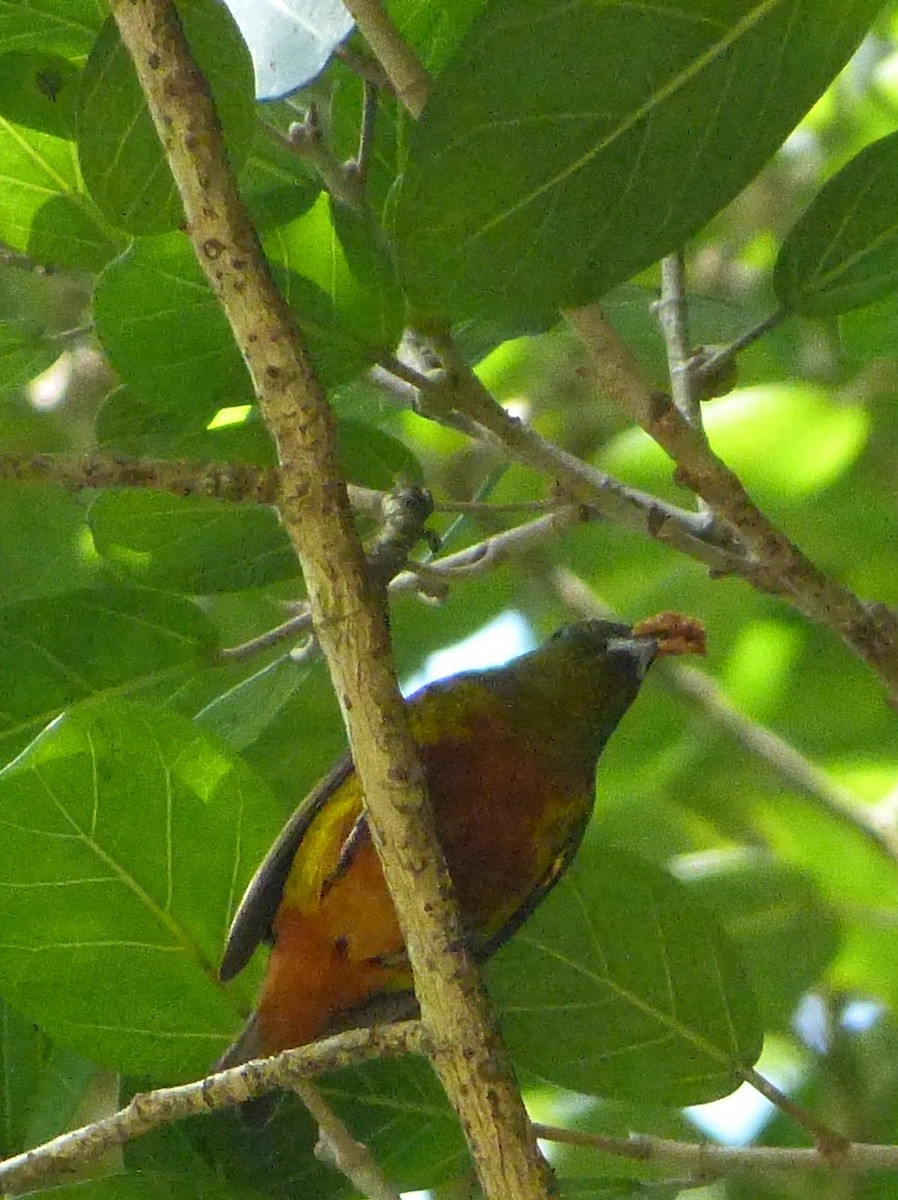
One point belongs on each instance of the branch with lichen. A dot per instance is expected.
(146, 1111)
(348, 610)
(769, 561)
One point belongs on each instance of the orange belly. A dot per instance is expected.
(502, 824)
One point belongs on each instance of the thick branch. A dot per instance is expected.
(772, 562)
(347, 612)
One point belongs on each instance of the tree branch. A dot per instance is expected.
(771, 562)
(672, 313)
(694, 534)
(147, 1110)
(80, 472)
(348, 614)
(337, 1146)
(407, 76)
(706, 1160)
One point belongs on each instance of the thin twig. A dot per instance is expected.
(146, 1111)
(673, 318)
(483, 508)
(436, 576)
(362, 162)
(295, 627)
(367, 68)
(721, 360)
(233, 482)
(306, 139)
(705, 1159)
(218, 481)
(339, 1148)
(489, 553)
(831, 1144)
(459, 388)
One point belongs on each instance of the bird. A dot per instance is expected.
(509, 756)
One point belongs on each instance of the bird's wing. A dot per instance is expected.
(492, 941)
(254, 916)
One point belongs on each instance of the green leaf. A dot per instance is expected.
(243, 713)
(156, 296)
(435, 30)
(340, 252)
(189, 544)
(129, 424)
(23, 1051)
(38, 90)
(520, 197)
(622, 985)
(146, 1185)
(125, 834)
(63, 26)
(842, 253)
(54, 652)
(122, 160)
(69, 232)
(43, 1084)
(33, 514)
(372, 458)
(869, 333)
(36, 167)
(785, 931)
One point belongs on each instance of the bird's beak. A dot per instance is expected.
(642, 650)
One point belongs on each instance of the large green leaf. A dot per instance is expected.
(122, 160)
(147, 1185)
(843, 251)
(339, 251)
(56, 651)
(38, 515)
(42, 208)
(190, 544)
(38, 90)
(622, 985)
(785, 931)
(36, 166)
(63, 26)
(156, 298)
(126, 832)
(565, 148)
(69, 231)
(164, 331)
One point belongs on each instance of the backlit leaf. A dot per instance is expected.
(521, 195)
